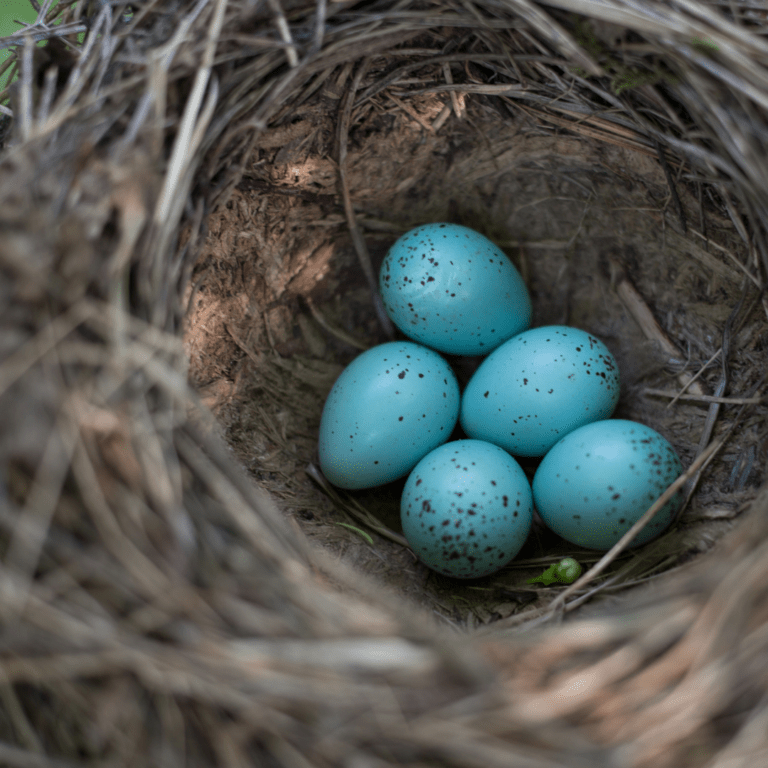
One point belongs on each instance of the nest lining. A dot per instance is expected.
(281, 305)
(150, 589)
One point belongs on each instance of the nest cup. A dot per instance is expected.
(196, 202)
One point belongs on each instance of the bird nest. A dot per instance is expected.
(196, 198)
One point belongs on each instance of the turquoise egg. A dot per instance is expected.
(466, 509)
(597, 482)
(452, 289)
(539, 386)
(389, 407)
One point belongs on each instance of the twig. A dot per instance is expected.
(637, 307)
(354, 229)
(30, 532)
(354, 509)
(694, 378)
(47, 96)
(19, 37)
(24, 117)
(672, 187)
(285, 32)
(703, 398)
(255, 359)
(339, 333)
(458, 103)
(714, 408)
(20, 361)
(756, 280)
(411, 112)
(439, 121)
(182, 149)
(322, 13)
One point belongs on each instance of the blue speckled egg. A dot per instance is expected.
(600, 479)
(452, 289)
(466, 509)
(539, 386)
(389, 407)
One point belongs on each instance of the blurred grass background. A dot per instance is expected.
(12, 12)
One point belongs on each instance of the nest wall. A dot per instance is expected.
(195, 206)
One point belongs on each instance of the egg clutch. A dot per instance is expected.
(467, 505)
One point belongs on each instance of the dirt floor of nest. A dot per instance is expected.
(279, 305)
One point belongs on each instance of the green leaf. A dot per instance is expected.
(566, 572)
(546, 578)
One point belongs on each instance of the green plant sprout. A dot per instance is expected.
(564, 572)
(362, 533)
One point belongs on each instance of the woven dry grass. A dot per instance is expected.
(193, 206)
